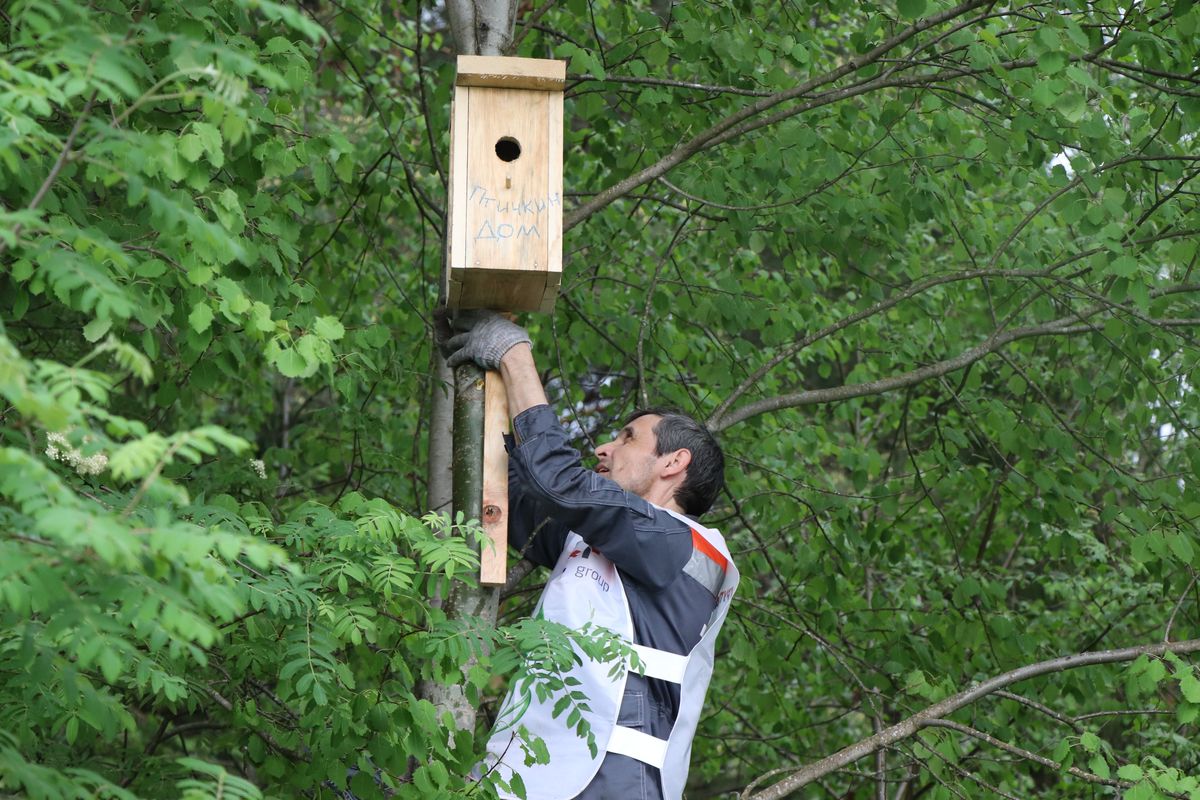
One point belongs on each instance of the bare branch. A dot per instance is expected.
(699, 87)
(1126, 712)
(516, 574)
(910, 378)
(731, 126)
(717, 422)
(643, 396)
(1036, 706)
(1178, 605)
(528, 25)
(1064, 326)
(937, 711)
(969, 776)
(1091, 777)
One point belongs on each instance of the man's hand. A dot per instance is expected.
(484, 337)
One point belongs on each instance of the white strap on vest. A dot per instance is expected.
(707, 565)
(642, 746)
(660, 664)
(637, 745)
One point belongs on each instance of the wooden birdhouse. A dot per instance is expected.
(504, 246)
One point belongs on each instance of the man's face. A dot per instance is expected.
(629, 459)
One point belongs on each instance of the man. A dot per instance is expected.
(626, 554)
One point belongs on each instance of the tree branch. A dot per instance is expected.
(675, 84)
(1036, 706)
(743, 122)
(528, 25)
(934, 713)
(1064, 326)
(730, 125)
(63, 156)
(647, 307)
(850, 391)
(1026, 754)
(715, 420)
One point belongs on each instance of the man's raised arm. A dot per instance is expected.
(645, 541)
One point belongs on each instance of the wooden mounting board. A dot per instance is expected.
(493, 552)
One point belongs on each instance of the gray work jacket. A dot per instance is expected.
(552, 494)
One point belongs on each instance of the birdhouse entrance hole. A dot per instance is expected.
(508, 149)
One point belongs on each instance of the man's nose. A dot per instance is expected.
(604, 450)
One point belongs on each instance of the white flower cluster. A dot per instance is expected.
(57, 447)
(259, 467)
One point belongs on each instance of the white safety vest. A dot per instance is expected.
(588, 589)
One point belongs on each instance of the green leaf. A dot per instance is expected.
(321, 176)
(1073, 106)
(1189, 686)
(1181, 546)
(329, 328)
(191, 147)
(96, 329)
(1130, 772)
(260, 317)
(1052, 62)
(151, 268)
(1123, 266)
(228, 199)
(291, 364)
(911, 8)
(110, 665)
(1143, 790)
(200, 275)
(1045, 93)
(201, 317)
(210, 140)
(276, 45)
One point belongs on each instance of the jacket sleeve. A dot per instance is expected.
(532, 529)
(647, 543)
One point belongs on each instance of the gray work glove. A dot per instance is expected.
(484, 337)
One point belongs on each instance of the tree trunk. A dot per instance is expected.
(441, 436)
(480, 27)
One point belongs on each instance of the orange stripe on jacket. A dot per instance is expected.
(702, 544)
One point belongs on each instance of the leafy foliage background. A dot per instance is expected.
(940, 303)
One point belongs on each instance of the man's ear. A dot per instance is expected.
(677, 463)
